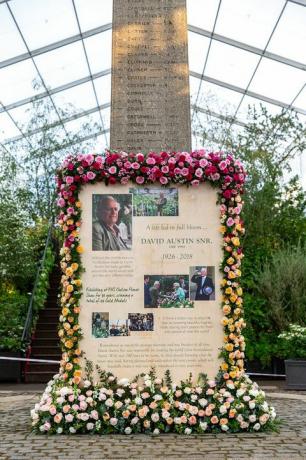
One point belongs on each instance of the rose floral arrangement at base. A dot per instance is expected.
(153, 406)
(73, 402)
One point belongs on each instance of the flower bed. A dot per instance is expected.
(238, 397)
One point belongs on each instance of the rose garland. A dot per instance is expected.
(220, 170)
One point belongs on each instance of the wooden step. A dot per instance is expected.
(39, 377)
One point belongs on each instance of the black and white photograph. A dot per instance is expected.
(202, 283)
(141, 322)
(155, 201)
(112, 222)
(100, 325)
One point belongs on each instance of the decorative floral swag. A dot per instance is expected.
(73, 402)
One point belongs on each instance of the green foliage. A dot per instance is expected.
(13, 307)
(292, 343)
(275, 220)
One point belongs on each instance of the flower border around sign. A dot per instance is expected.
(73, 402)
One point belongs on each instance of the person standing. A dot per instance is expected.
(154, 292)
(205, 285)
(147, 294)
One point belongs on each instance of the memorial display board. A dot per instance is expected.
(152, 300)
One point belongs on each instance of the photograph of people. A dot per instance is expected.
(166, 291)
(153, 201)
(147, 294)
(154, 294)
(203, 285)
(100, 325)
(118, 327)
(112, 222)
(141, 322)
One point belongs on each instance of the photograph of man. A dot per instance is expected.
(204, 284)
(147, 294)
(161, 202)
(154, 293)
(109, 231)
(119, 328)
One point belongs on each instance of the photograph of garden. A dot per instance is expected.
(155, 202)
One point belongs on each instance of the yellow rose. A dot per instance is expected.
(70, 222)
(231, 275)
(74, 266)
(239, 291)
(68, 271)
(68, 344)
(78, 204)
(222, 229)
(228, 290)
(229, 347)
(78, 282)
(80, 249)
(224, 366)
(230, 260)
(65, 311)
(226, 309)
(235, 240)
(233, 298)
(69, 288)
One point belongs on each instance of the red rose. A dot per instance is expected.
(227, 194)
(112, 180)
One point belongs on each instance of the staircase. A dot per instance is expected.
(45, 341)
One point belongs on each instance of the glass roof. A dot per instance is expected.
(241, 52)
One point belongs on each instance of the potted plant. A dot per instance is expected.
(292, 347)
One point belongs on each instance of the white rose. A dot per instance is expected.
(203, 402)
(138, 401)
(224, 428)
(124, 382)
(256, 426)
(252, 418)
(90, 426)
(252, 404)
(134, 420)
(187, 390)
(113, 421)
(109, 402)
(155, 417)
(188, 431)
(128, 430)
(203, 426)
(72, 430)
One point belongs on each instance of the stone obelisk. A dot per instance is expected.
(150, 105)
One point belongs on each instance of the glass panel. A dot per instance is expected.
(289, 38)
(278, 81)
(301, 100)
(58, 134)
(256, 103)
(62, 65)
(43, 21)
(230, 64)
(194, 87)
(99, 51)
(106, 118)
(11, 43)
(16, 82)
(202, 13)
(197, 51)
(80, 97)
(94, 13)
(103, 89)
(23, 114)
(7, 127)
(218, 99)
(248, 21)
(80, 126)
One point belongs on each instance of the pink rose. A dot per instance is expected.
(135, 165)
(140, 180)
(163, 180)
(230, 221)
(151, 161)
(61, 202)
(58, 418)
(112, 170)
(195, 182)
(199, 172)
(139, 157)
(165, 169)
(69, 180)
(91, 175)
(203, 162)
(124, 180)
(185, 172)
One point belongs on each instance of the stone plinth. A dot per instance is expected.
(150, 82)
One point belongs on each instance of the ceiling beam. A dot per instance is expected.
(261, 97)
(58, 89)
(245, 47)
(55, 45)
(219, 116)
(76, 116)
